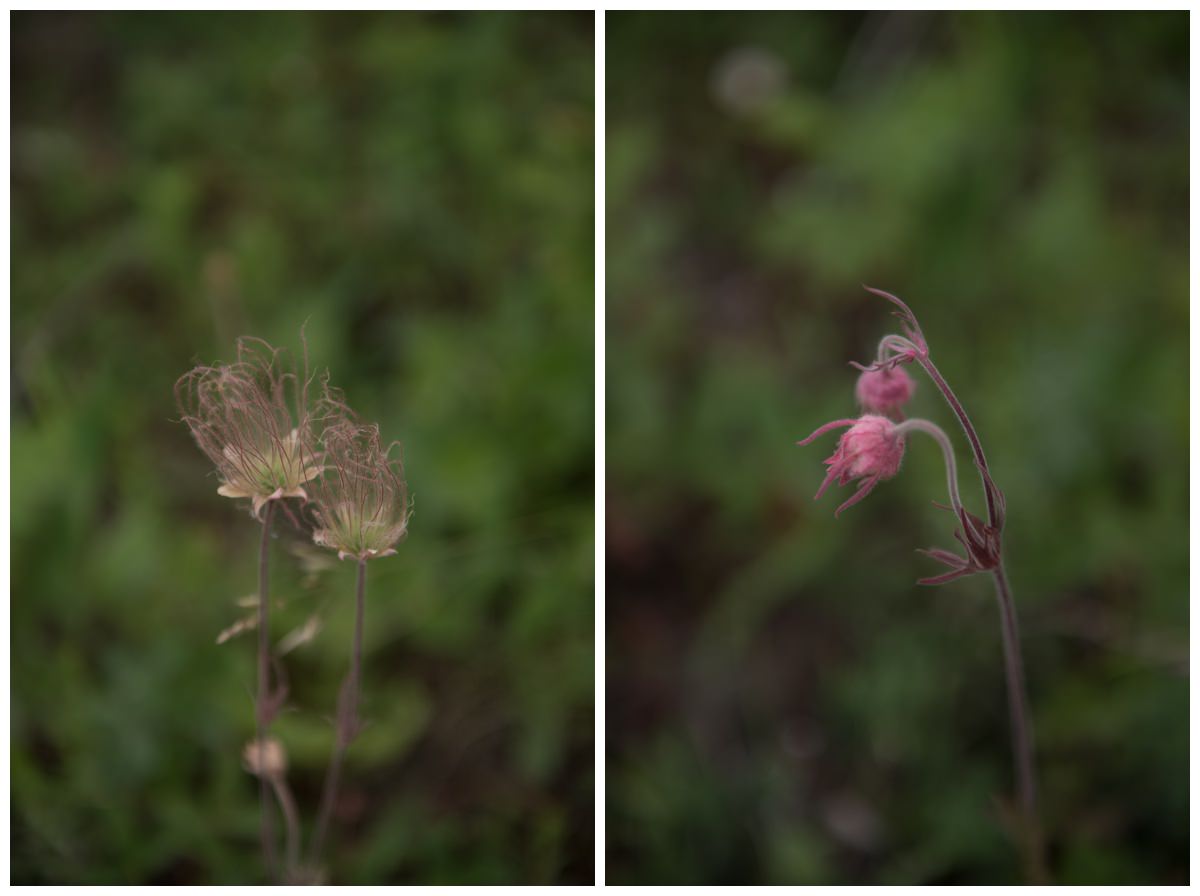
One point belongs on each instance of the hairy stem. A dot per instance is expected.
(965, 421)
(1022, 730)
(267, 833)
(347, 717)
(1032, 844)
(943, 440)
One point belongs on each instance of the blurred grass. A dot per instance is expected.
(784, 705)
(418, 188)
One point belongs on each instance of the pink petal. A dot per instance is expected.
(824, 485)
(859, 495)
(836, 424)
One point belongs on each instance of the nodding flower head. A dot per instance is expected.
(251, 419)
(870, 450)
(884, 390)
(361, 500)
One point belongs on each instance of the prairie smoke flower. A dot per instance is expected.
(884, 390)
(870, 450)
(251, 419)
(361, 499)
(361, 509)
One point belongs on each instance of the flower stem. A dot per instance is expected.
(347, 717)
(291, 819)
(262, 721)
(1032, 845)
(968, 429)
(943, 440)
(990, 557)
(1022, 731)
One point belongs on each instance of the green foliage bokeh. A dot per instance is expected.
(416, 191)
(784, 704)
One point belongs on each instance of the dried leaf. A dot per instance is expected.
(242, 625)
(299, 636)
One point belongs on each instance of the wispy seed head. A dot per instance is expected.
(360, 498)
(252, 420)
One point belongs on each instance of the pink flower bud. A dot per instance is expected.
(884, 391)
(870, 450)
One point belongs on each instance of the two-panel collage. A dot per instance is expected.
(459, 449)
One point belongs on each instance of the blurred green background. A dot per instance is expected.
(784, 705)
(418, 188)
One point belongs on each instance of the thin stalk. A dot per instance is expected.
(347, 717)
(943, 440)
(291, 820)
(1022, 730)
(965, 421)
(1018, 700)
(267, 833)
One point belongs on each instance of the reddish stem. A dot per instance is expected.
(347, 718)
(976, 448)
(291, 819)
(1022, 730)
(262, 721)
(1018, 701)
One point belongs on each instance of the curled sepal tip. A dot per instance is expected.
(908, 320)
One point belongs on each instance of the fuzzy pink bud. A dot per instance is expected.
(870, 450)
(884, 391)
